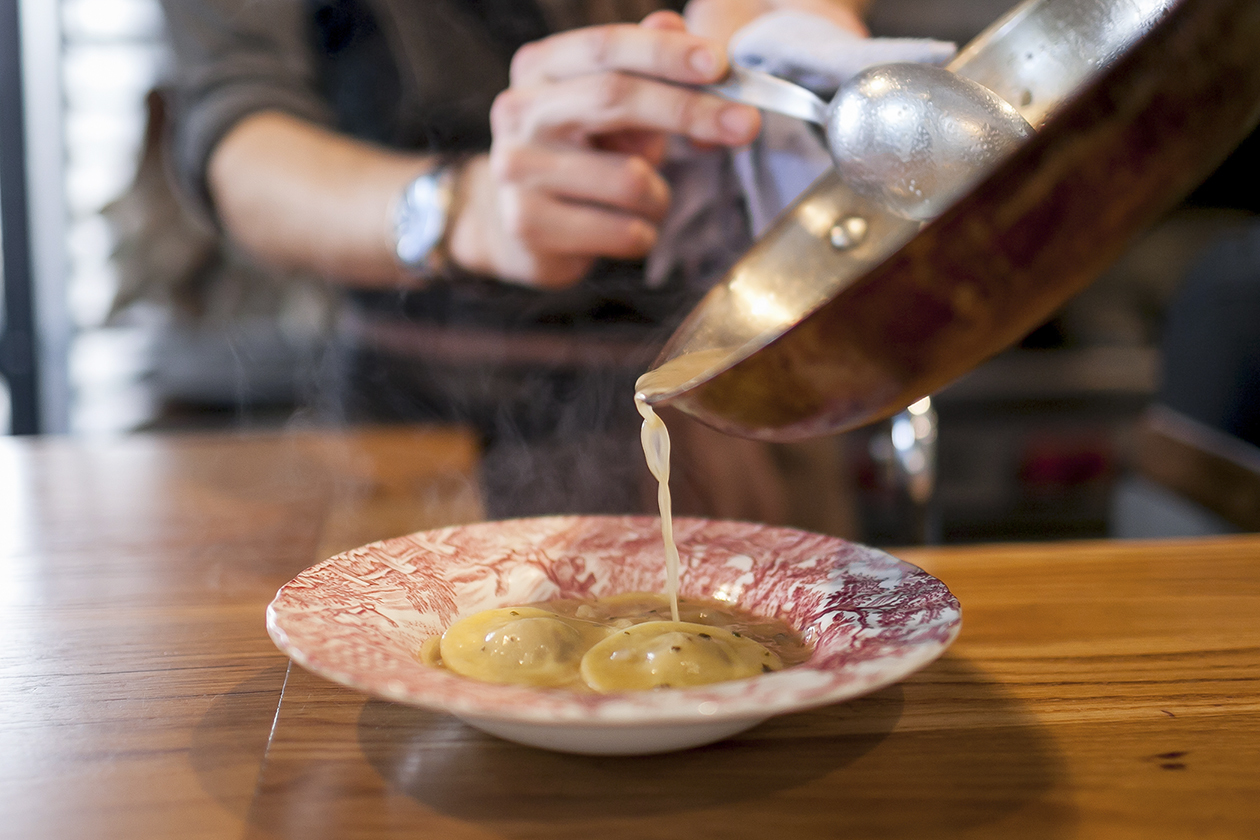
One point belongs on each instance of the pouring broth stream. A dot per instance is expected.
(623, 642)
(655, 439)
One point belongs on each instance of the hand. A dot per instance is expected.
(721, 19)
(571, 175)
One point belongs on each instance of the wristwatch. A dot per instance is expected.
(420, 218)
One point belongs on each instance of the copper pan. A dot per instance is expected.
(841, 315)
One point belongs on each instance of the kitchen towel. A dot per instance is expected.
(789, 154)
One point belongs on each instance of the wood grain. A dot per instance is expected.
(1098, 689)
(134, 575)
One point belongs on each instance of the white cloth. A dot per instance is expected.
(820, 55)
(789, 154)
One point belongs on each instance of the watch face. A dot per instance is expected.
(420, 220)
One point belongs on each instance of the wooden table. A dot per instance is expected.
(1097, 690)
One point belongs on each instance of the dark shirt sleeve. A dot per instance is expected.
(234, 58)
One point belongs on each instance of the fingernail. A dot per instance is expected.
(703, 60)
(737, 120)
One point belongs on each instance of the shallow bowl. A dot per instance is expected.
(360, 617)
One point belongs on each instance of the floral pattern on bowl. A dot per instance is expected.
(360, 617)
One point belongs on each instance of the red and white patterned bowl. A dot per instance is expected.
(360, 617)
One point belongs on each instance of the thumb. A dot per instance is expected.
(664, 21)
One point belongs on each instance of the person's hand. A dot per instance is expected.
(720, 19)
(571, 175)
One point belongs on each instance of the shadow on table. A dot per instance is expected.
(939, 754)
(489, 779)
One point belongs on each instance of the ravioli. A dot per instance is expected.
(523, 645)
(621, 642)
(673, 654)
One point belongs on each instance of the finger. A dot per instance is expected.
(665, 20)
(621, 182)
(553, 227)
(845, 15)
(649, 145)
(666, 53)
(575, 109)
(721, 19)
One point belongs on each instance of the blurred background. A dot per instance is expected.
(1057, 438)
